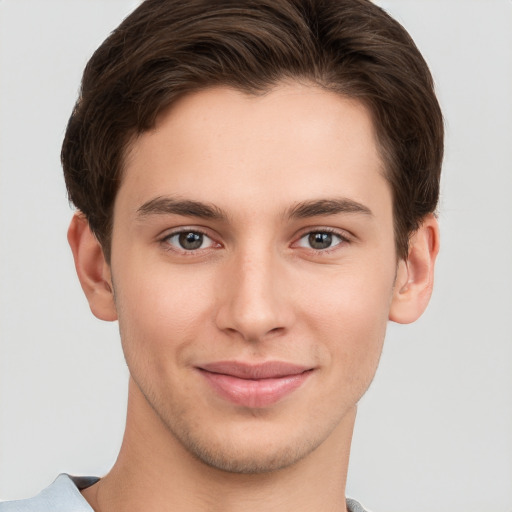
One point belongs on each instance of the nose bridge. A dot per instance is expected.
(253, 298)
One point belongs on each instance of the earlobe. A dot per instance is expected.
(415, 277)
(92, 269)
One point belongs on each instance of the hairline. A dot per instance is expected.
(386, 159)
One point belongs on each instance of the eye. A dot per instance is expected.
(320, 240)
(189, 240)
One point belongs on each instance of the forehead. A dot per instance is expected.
(295, 141)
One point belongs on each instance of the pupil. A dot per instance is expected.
(191, 241)
(320, 240)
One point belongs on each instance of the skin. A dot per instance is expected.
(255, 290)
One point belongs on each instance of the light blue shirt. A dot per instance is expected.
(64, 496)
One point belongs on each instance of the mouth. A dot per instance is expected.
(254, 386)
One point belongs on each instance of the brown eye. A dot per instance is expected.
(190, 241)
(320, 240)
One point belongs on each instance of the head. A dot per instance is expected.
(166, 50)
(257, 181)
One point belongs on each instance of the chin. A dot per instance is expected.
(246, 458)
(253, 445)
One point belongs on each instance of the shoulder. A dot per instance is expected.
(63, 495)
(355, 506)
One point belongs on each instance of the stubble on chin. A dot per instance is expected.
(221, 451)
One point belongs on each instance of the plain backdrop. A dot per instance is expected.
(435, 430)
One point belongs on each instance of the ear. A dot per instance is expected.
(92, 269)
(415, 276)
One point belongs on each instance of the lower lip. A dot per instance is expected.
(254, 393)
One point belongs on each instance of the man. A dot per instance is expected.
(255, 184)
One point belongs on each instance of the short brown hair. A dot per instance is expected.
(168, 48)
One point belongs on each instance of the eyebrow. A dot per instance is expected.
(325, 207)
(186, 207)
(302, 210)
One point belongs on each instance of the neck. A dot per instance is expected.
(154, 472)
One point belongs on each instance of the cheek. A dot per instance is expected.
(350, 317)
(158, 311)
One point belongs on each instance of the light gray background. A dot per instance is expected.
(435, 430)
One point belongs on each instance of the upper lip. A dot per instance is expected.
(266, 370)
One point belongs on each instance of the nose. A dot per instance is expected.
(254, 300)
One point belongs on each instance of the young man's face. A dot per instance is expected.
(253, 266)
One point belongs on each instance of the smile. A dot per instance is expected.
(254, 386)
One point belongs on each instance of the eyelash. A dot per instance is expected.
(343, 238)
(168, 246)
